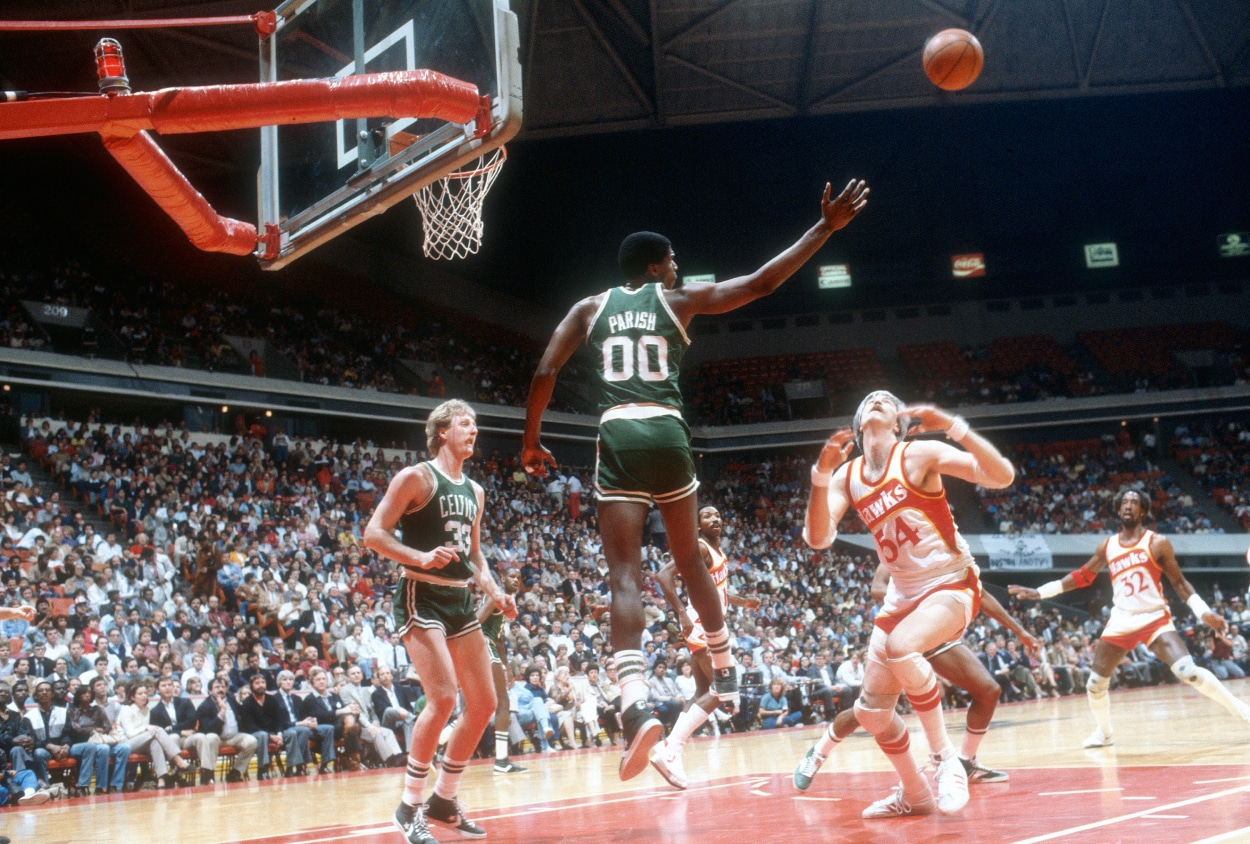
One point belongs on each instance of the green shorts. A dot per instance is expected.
(492, 629)
(644, 459)
(431, 606)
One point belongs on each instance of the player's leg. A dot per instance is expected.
(843, 724)
(960, 666)
(1106, 657)
(503, 720)
(620, 524)
(941, 617)
(1169, 647)
(667, 759)
(471, 662)
(427, 649)
(681, 520)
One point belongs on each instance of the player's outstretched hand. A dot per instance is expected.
(508, 606)
(536, 459)
(1215, 622)
(836, 450)
(932, 419)
(1031, 643)
(1024, 593)
(840, 211)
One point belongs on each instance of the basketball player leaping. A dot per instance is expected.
(667, 759)
(934, 590)
(638, 331)
(1136, 558)
(956, 663)
(438, 509)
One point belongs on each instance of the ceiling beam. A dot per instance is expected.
(1093, 50)
(802, 91)
(1076, 58)
(1196, 29)
(657, 66)
(608, 48)
(697, 22)
(934, 6)
(631, 24)
(910, 55)
(732, 83)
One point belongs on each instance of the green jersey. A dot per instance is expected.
(638, 344)
(446, 519)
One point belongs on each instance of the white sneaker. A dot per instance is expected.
(952, 784)
(35, 798)
(669, 764)
(1097, 739)
(898, 806)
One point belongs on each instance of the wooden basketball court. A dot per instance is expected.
(1179, 772)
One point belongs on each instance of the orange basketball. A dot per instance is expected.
(953, 59)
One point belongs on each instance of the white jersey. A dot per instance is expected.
(719, 570)
(914, 531)
(1136, 577)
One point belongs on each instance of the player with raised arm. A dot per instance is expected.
(438, 511)
(957, 664)
(638, 332)
(22, 613)
(934, 589)
(491, 617)
(667, 758)
(1137, 560)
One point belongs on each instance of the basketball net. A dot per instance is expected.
(451, 207)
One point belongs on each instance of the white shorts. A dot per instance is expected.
(1129, 629)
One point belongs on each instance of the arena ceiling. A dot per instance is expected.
(595, 66)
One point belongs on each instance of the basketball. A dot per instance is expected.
(953, 59)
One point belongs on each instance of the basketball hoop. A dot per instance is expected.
(451, 207)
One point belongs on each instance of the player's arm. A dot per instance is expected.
(569, 334)
(979, 463)
(485, 610)
(750, 602)
(996, 611)
(880, 581)
(1161, 548)
(1078, 579)
(703, 298)
(413, 485)
(481, 569)
(667, 578)
(828, 502)
(17, 614)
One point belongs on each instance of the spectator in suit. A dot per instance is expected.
(382, 741)
(297, 730)
(40, 665)
(395, 704)
(323, 707)
(134, 723)
(220, 715)
(45, 724)
(663, 696)
(16, 738)
(999, 665)
(177, 716)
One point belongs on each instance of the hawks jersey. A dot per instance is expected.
(446, 518)
(638, 344)
(720, 576)
(913, 530)
(1136, 578)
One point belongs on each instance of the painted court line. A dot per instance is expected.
(1063, 833)
(1234, 835)
(1224, 779)
(821, 799)
(1082, 791)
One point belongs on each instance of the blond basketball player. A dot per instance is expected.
(934, 590)
(1136, 559)
(667, 758)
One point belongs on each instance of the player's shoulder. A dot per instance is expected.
(1159, 543)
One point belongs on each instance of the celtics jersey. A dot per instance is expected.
(446, 519)
(638, 345)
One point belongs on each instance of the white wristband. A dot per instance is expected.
(819, 478)
(958, 430)
(1198, 606)
(1049, 590)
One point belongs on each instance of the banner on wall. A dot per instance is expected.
(1017, 552)
(968, 266)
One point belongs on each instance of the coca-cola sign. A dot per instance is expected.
(968, 266)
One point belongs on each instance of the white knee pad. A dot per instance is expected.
(875, 721)
(1185, 670)
(913, 672)
(1097, 685)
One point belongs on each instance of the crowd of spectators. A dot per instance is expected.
(1218, 454)
(231, 570)
(1067, 487)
